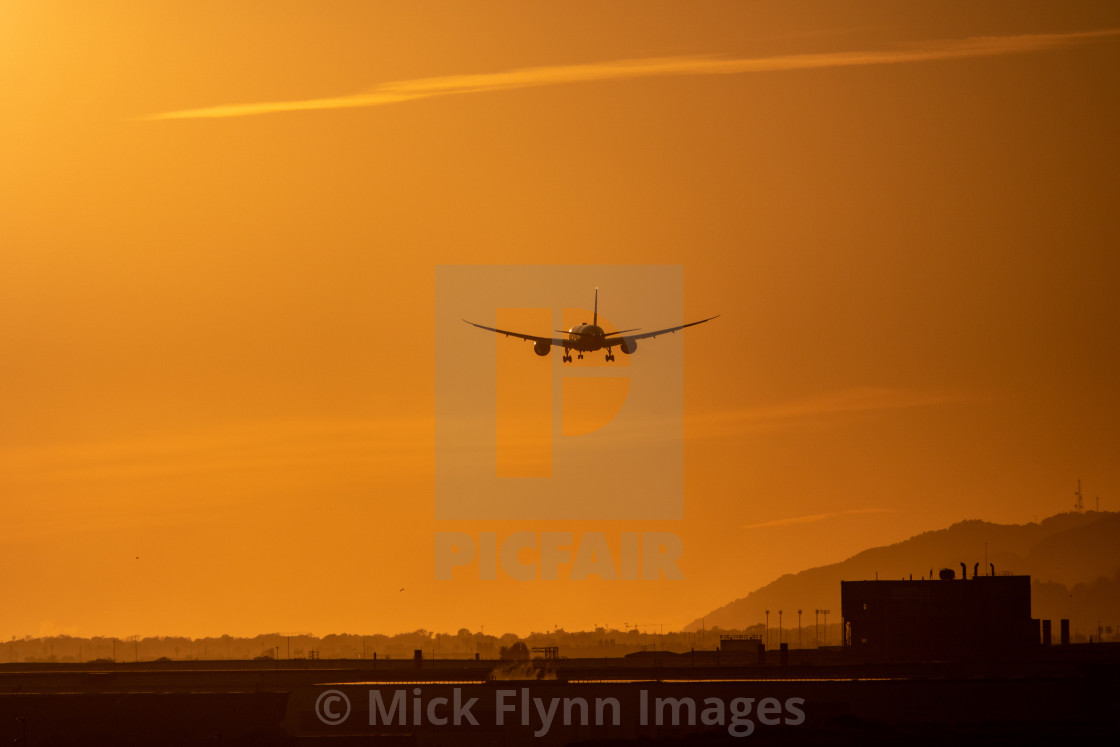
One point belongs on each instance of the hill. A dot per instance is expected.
(1071, 558)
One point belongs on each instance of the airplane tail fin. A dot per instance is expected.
(595, 318)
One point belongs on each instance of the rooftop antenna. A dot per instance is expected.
(1079, 504)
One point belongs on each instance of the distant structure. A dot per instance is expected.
(548, 653)
(738, 644)
(945, 619)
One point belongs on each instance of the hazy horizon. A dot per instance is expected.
(645, 629)
(219, 333)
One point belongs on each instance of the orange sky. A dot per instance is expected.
(216, 373)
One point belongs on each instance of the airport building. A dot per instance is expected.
(941, 619)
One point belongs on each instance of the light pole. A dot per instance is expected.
(799, 628)
(767, 628)
(779, 628)
(817, 626)
(825, 613)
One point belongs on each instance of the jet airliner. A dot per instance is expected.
(587, 338)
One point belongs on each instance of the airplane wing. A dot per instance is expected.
(655, 333)
(561, 342)
(530, 338)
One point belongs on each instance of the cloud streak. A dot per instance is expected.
(422, 88)
(813, 518)
(270, 447)
(814, 412)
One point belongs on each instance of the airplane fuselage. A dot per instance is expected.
(587, 338)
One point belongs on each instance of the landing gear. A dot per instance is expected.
(580, 356)
(567, 358)
(609, 357)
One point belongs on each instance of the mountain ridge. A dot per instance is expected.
(1064, 551)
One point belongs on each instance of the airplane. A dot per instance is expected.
(587, 338)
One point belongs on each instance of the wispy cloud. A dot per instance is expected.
(814, 411)
(854, 400)
(813, 518)
(410, 90)
(267, 447)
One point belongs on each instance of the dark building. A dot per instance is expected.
(737, 644)
(932, 620)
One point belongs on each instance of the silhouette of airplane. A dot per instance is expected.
(587, 338)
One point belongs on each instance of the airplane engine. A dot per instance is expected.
(541, 347)
(629, 345)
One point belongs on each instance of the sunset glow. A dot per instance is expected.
(218, 329)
